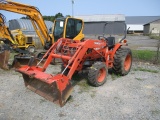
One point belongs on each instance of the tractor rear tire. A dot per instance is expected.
(122, 61)
(97, 74)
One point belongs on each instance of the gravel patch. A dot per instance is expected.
(134, 96)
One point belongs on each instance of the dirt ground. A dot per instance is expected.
(135, 96)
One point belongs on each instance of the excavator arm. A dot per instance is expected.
(5, 34)
(5, 37)
(35, 16)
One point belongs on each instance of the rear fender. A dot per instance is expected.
(116, 47)
(110, 55)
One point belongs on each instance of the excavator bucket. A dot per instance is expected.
(4, 58)
(21, 60)
(52, 88)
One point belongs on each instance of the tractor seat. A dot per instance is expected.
(111, 42)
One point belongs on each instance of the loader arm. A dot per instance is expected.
(34, 15)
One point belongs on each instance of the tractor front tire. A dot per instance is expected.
(122, 61)
(97, 74)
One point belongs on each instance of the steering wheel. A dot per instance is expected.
(102, 37)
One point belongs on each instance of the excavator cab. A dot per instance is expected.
(68, 27)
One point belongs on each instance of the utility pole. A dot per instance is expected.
(72, 8)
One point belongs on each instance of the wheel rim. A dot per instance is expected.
(31, 50)
(127, 62)
(101, 75)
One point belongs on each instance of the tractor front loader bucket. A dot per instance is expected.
(4, 58)
(54, 88)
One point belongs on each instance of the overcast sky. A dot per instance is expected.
(91, 7)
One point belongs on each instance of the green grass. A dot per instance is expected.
(42, 101)
(61, 114)
(145, 70)
(145, 55)
(84, 86)
(155, 112)
(114, 76)
(154, 37)
(140, 79)
(93, 94)
(81, 81)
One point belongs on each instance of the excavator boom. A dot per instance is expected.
(35, 16)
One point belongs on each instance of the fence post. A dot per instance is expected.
(157, 54)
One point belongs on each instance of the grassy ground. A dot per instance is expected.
(146, 55)
(154, 37)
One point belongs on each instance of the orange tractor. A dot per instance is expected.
(97, 55)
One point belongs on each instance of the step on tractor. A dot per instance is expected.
(94, 55)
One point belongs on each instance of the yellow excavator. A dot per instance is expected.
(67, 27)
(19, 43)
(24, 42)
(19, 40)
(6, 41)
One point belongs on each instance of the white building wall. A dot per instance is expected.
(135, 27)
(101, 17)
